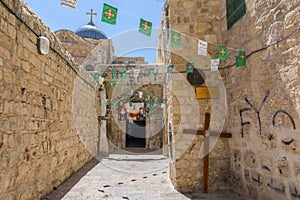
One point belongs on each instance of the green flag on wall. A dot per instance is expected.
(151, 72)
(223, 53)
(170, 69)
(190, 67)
(241, 59)
(109, 14)
(114, 75)
(145, 27)
(175, 38)
(123, 74)
(112, 84)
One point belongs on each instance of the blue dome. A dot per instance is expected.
(90, 31)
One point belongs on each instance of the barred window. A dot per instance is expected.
(236, 9)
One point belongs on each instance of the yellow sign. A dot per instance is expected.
(207, 92)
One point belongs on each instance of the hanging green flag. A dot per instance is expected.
(109, 14)
(97, 76)
(145, 27)
(164, 101)
(190, 67)
(122, 88)
(151, 72)
(241, 59)
(170, 69)
(155, 99)
(131, 92)
(148, 97)
(114, 74)
(175, 38)
(130, 103)
(124, 74)
(148, 105)
(223, 53)
(112, 84)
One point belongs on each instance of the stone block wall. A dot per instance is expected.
(121, 91)
(194, 20)
(264, 99)
(39, 142)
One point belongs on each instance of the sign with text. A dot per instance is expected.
(206, 92)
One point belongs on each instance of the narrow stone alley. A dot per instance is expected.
(133, 177)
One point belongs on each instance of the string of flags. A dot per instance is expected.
(110, 13)
(241, 58)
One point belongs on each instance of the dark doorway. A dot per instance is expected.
(136, 134)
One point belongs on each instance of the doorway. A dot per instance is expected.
(135, 134)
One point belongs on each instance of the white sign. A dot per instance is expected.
(215, 64)
(69, 3)
(136, 73)
(202, 47)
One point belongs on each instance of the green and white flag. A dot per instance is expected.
(145, 27)
(190, 67)
(170, 69)
(122, 88)
(148, 105)
(112, 84)
(109, 14)
(222, 53)
(155, 99)
(69, 3)
(124, 74)
(241, 59)
(114, 75)
(131, 92)
(175, 38)
(151, 72)
(148, 97)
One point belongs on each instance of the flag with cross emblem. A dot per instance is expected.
(241, 59)
(190, 67)
(175, 38)
(145, 27)
(223, 53)
(109, 14)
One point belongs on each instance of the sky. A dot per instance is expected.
(127, 40)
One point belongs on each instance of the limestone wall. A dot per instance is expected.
(148, 85)
(263, 100)
(194, 20)
(39, 144)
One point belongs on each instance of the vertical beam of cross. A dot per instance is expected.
(91, 14)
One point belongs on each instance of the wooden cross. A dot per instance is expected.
(91, 13)
(109, 14)
(175, 37)
(206, 135)
(223, 52)
(145, 25)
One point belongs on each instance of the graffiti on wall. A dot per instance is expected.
(258, 117)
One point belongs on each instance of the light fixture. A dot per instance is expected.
(43, 45)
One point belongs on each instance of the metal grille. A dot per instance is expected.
(236, 9)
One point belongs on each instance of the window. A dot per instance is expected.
(236, 9)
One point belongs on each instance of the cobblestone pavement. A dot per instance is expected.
(133, 177)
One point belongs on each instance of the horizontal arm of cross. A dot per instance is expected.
(203, 133)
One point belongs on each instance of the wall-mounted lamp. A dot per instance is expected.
(43, 45)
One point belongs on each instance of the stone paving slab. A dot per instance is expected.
(134, 177)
